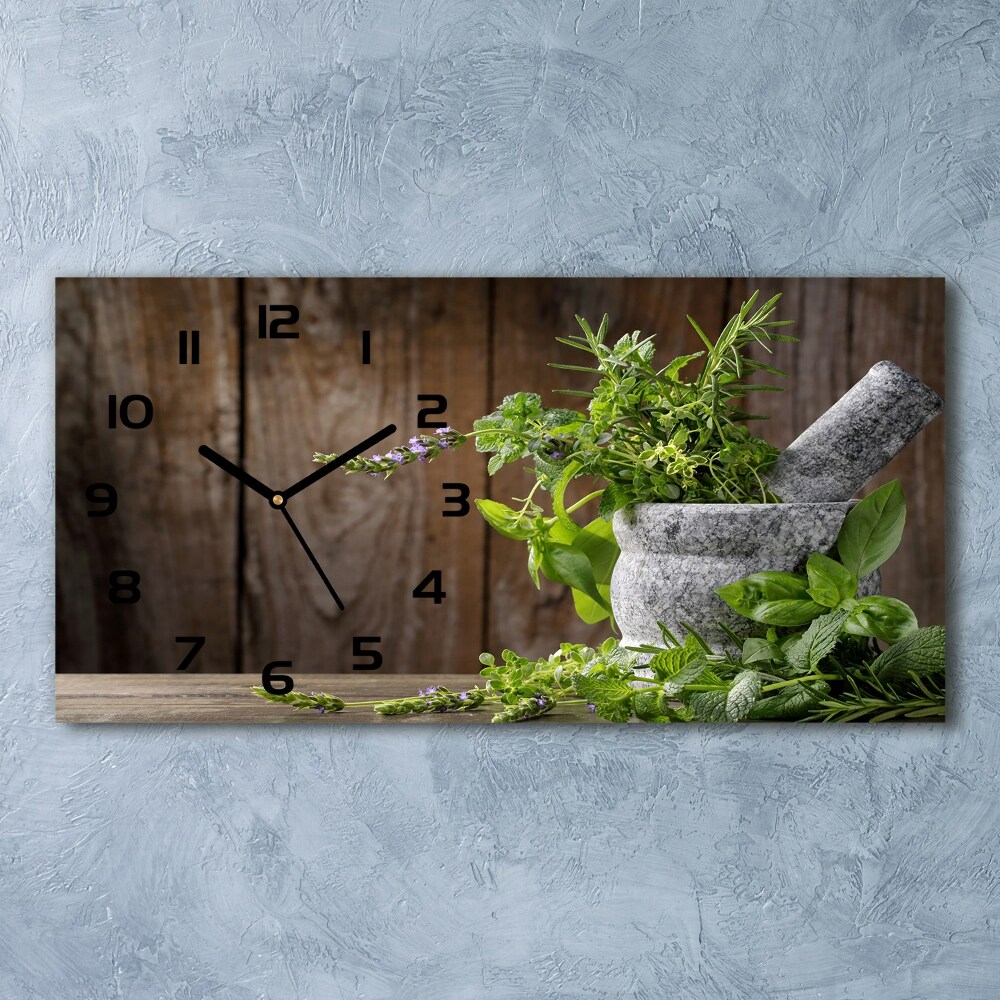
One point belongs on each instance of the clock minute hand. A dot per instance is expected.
(340, 460)
(312, 558)
(235, 471)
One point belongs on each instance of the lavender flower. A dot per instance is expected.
(591, 707)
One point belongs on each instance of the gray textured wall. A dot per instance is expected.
(459, 137)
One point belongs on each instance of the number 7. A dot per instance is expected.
(198, 640)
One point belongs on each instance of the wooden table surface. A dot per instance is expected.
(215, 698)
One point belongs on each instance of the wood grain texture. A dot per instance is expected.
(121, 336)
(221, 698)
(377, 540)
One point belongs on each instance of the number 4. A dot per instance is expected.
(432, 581)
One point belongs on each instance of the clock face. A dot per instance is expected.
(195, 532)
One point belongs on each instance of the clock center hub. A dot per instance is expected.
(277, 500)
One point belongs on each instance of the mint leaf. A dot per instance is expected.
(611, 696)
(708, 706)
(808, 651)
(922, 652)
(872, 530)
(676, 668)
(742, 695)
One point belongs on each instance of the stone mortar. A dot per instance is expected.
(674, 556)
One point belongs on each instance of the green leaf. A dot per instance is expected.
(672, 370)
(922, 652)
(742, 695)
(708, 706)
(611, 696)
(808, 650)
(596, 541)
(504, 520)
(756, 650)
(872, 530)
(652, 706)
(676, 672)
(588, 610)
(883, 618)
(613, 498)
(773, 598)
(744, 595)
(829, 582)
(793, 702)
(572, 567)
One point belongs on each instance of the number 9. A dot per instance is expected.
(102, 493)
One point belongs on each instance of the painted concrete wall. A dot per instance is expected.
(395, 136)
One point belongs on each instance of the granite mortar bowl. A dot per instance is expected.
(675, 555)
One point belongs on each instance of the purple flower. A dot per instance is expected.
(441, 431)
(591, 707)
(397, 457)
(320, 709)
(376, 458)
(431, 690)
(556, 455)
(463, 696)
(541, 701)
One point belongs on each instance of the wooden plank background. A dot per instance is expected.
(473, 340)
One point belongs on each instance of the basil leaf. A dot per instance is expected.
(882, 618)
(922, 652)
(760, 651)
(743, 596)
(588, 610)
(787, 614)
(872, 530)
(829, 582)
(597, 542)
(572, 567)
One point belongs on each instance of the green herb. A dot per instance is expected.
(825, 666)
(649, 434)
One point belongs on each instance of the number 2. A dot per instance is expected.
(429, 411)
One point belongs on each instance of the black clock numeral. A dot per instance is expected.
(102, 493)
(195, 345)
(274, 683)
(374, 654)
(120, 411)
(429, 411)
(462, 500)
(273, 330)
(366, 347)
(432, 581)
(123, 586)
(198, 640)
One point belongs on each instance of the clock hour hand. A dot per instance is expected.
(340, 460)
(235, 471)
(312, 558)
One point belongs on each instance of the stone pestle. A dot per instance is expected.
(856, 438)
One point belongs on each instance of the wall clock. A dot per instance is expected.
(196, 535)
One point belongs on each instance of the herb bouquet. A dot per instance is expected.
(816, 650)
